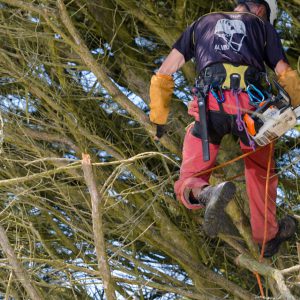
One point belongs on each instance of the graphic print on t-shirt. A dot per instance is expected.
(232, 34)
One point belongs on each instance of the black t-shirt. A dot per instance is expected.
(238, 38)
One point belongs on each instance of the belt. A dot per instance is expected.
(219, 75)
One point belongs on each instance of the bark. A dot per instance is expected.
(255, 266)
(241, 224)
(98, 230)
(17, 267)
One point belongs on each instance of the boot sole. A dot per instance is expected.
(215, 218)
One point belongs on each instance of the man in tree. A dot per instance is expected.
(239, 42)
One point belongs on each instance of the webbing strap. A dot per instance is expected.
(219, 74)
(239, 121)
(221, 107)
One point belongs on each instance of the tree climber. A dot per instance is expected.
(228, 46)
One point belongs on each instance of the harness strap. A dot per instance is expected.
(239, 121)
(221, 107)
(219, 75)
(220, 98)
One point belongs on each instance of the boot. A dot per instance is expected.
(287, 228)
(215, 199)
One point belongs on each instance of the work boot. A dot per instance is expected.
(287, 228)
(216, 199)
(193, 197)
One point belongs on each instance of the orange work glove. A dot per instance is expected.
(290, 81)
(161, 90)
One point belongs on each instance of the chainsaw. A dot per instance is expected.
(272, 118)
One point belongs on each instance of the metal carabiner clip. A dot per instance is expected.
(257, 98)
(215, 90)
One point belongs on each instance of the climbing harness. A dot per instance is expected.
(214, 79)
(273, 116)
(218, 75)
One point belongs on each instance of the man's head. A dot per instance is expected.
(266, 9)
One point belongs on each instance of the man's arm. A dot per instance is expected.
(174, 61)
(289, 80)
(162, 84)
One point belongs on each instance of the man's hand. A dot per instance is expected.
(290, 81)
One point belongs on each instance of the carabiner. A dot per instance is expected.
(255, 99)
(214, 90)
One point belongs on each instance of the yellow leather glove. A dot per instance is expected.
(161, 90)
(290, 81)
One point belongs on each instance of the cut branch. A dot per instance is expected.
(97, 204)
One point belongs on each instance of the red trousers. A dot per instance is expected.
(255, 171)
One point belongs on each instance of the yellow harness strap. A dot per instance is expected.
(231, 69)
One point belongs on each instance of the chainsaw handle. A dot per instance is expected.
(261, 109)
(282, 92)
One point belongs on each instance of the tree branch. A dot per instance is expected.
(100, 73)
(97, 203)
(239, 221)
(265, 270)
(18, 269)
(39, 9)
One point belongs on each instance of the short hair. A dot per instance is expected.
(250, 5)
